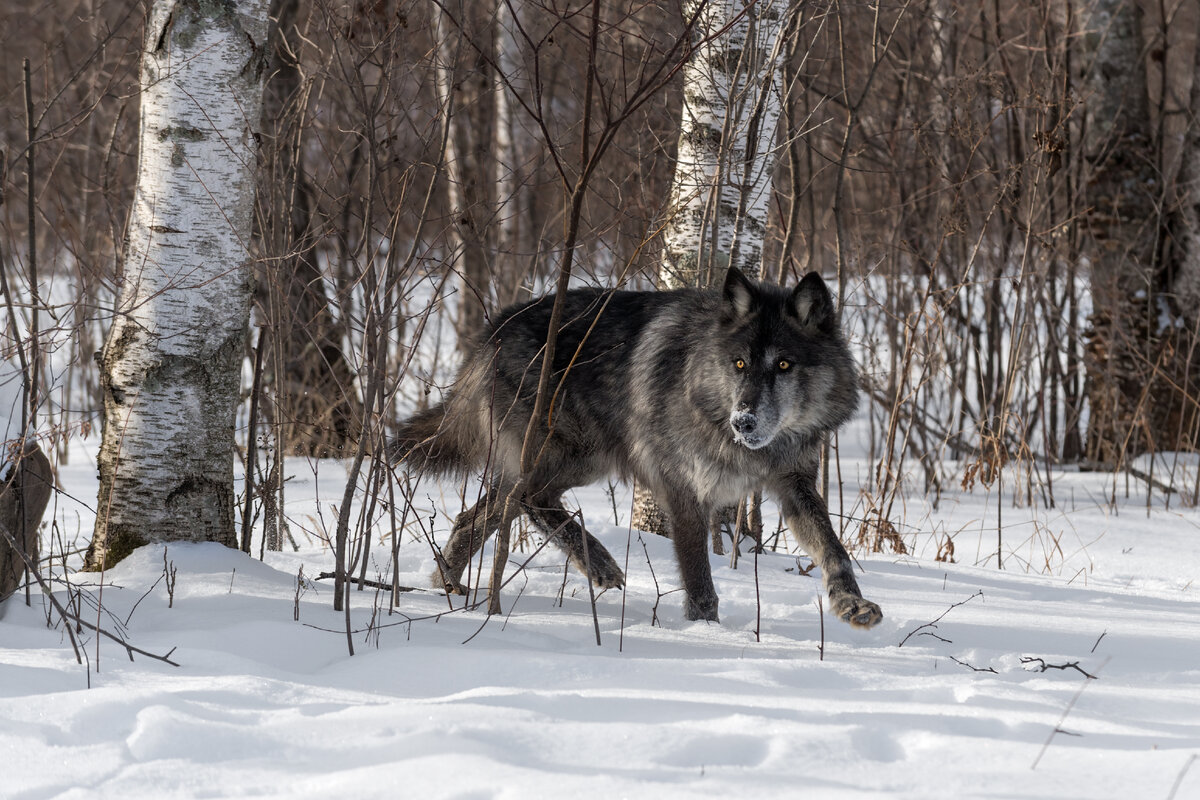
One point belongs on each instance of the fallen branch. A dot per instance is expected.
(1042, 666)
(1057, 729)
(69, 617)
(129, 649)
(324, 576)
(972, 667)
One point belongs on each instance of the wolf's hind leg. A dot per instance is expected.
(555, 522)
(808, 519)
(472, 528)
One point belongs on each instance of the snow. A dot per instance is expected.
(449, 703)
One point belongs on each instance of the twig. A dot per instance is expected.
(33, 570)
(658, 591)
(1043, 666)
(624, 595)
(129, 649)
(143, 597)
(972, 667)
(1058, 727)
(169, 571)
(757, 598)
(587, 574)
(76, 618)
(324, 576)
(821, 617)
(934, 623)
(252, 443)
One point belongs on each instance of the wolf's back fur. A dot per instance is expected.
(702, 396)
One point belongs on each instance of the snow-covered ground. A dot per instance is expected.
(937, 701)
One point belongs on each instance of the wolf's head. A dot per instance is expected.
(786, 368)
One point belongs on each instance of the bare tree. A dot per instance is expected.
(463, 93)
(1142, 151)
(317, 407)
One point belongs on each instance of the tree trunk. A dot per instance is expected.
(718, 199)
(314, 385)
(25, 485)
(171, 364)
(465, 157)
(1142, 382)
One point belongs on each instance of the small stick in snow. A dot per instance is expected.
(934, 623)
(1058, 728)
(324, 576)
(821, 616)
(972, 667)
(1043, 666)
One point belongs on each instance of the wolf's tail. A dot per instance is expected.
(434, 442)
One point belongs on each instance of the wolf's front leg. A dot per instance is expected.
(808, 519)
(689, 531)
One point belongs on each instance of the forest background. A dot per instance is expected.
(1002, 193)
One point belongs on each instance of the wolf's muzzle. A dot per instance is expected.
(744, 424)
(747, 430)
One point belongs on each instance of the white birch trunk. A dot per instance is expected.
(506, 156)
(171, 362)
(731, 106)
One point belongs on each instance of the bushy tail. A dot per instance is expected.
(432, 442)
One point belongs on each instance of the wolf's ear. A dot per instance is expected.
(740, 294)
(812, 304)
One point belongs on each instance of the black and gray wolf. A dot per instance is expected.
(702, 396)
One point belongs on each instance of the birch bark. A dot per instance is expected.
(731, 107)
(171, 363)
(506, 154)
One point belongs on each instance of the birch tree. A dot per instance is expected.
(718, 201)
(731, 108)
(171, 361)
(506, 154)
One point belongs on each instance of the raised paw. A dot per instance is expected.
(442, 578)
(605, 573)
(853, 609)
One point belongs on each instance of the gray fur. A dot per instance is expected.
(654, 393)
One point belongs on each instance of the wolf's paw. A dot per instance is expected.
(605, 573)
(440, 579)
(853, 609)
(702, 608)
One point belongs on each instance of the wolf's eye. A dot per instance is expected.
(740, 364)
(785, 365)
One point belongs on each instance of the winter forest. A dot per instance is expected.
(241, 241)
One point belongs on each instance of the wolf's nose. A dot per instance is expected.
(744, 423)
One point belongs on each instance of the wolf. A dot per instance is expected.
(703, 396)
